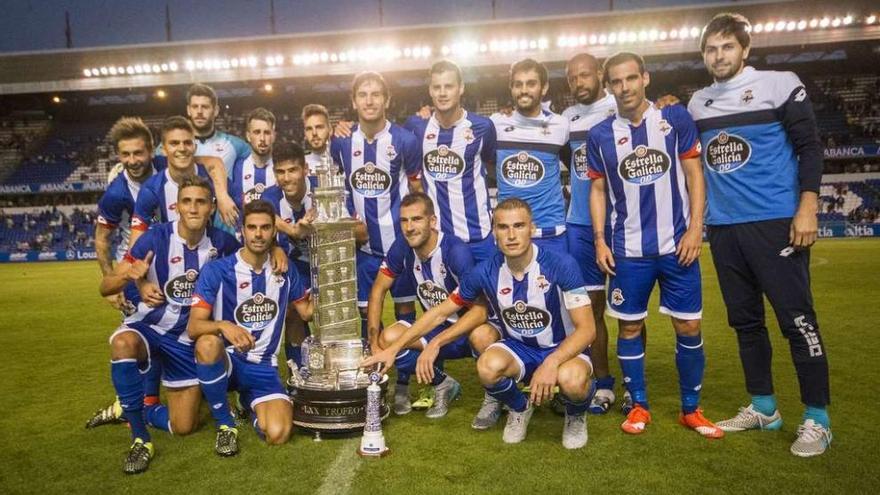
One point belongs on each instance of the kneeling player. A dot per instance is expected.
(548, 326)
(240, 306)
(437, 263)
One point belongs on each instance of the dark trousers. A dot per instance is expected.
(752, 260)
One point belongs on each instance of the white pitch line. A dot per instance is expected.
(340, 474)
(818, 261)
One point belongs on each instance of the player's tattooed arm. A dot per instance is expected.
(546, 375)
(604, 258)
(691, 243)
(225, 204)
(474, 317)
(125, 272)
(375, 303)
(200, 323)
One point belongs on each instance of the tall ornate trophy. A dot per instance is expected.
(329, 393)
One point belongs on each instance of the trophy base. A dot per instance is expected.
(337, 411)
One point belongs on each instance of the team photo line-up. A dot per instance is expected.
(212, 272)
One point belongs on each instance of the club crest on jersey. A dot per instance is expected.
(431, 294)
(747, 97)
(390, 152)
(522, 170)
(545, 130)
(542, 283)
(579, 162)
(179, 289)
(664, 127)
(727, 152)
(443, 164)
(526, 320)
(255, 193)
(617, 297)
(370, 180)
(219, 148)
(256, 313)
(469, 135)
(644, 165)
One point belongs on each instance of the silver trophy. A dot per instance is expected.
(373, 441)
(329, 393)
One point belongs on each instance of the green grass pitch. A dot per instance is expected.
(54, 372)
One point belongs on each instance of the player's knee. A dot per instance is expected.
(688, 328)
(629, 329)
(482, 337)
(572, 378)
(209, 349)
(124, 345)
(278, 432)
(490, 368)
(390, 335)
(183, 426)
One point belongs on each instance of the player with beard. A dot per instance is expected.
(237, 319)
(763, 163)
(528, 153)
(316, 126)
(253, 174)
(545, 316)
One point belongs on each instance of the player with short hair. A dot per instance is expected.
(457, 146)
(316, 129)
(165, 263)
(528, 152)
(437, 261)
(644, 162)
(544, 311)
(251, 175)
(763, 163)
(293, 223)
(237, 319)
(381, 165)
(202, 109)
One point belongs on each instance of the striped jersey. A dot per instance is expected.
(116, 206)
(748, 127)
(581, 118)
(534, 309)
(313, 161)
(175, 269)
(644, 179)
(295, 249)
(376, 175)
(435, 277)
(157, 201)
(454, 173)
(257, 302)
(527, 166)
(248, 181)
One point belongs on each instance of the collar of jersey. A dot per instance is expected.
(378, 134)
(528, 267)
(464, 116)
(177, 237)
(206, 138)
(433, 251)
(267, 265)
(626, 121)
(582, 109)
(737, 79)
(542, 120)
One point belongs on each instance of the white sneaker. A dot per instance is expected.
(402, 404)
(517, 425)
(602, 401)
(488, 415)
(812, 439)
(574, 433)
(749, 419)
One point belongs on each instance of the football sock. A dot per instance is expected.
(157, 417)
(405, 362)
(409, 317)
(690, 361)
(439, 376)
(576, 408)
(294, 352)
(605, 383)
(507, 393)
(631, 353)
(818, 414)
(214, 382)
(764, 404)
(152, 378)
(258, 430)
(129, 386)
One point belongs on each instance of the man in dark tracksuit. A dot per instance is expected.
(763, 164)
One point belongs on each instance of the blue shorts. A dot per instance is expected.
(403, 290)
(582, 248)
(556, 244)
(178, 359)
(457, 349)
(255, 382)
(483, 250)
(681, 294)
(530, 358)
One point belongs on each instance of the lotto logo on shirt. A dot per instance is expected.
(256, 313)
(727, 152)
(522, 170)
(443, 164)
(255, 193)
(644, 165)
(579, 160)
(526, 320)
(179, 289)
(431, 294)
(370, 180)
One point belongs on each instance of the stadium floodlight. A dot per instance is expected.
(695, 32)
(104, 71)
(612, 38)
(836, 22)
(156, 68)
(768, 27)
(801, 25)
(173, 66)
(252, 61)
(758, 28)
(561, 41)
(663, 35)
(268, 88)
(129, 70)
(543, 44)
(622, 36)
(325, 57)
(56, 99)
(847, 20)
(790, 26)
(653, 35)
(603, 39)
(87, 72)
(189, 65)
(593, 39)
(270, 61)
(426, 51)
(444, 50)
(824, 22)
(485, 47)
(112, 71)
(334, 57)
(225, 63)
(871, 19)
(161, 94)
(814, 23)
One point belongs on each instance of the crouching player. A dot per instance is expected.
(437, 262)
(237, 322)
(548, 326)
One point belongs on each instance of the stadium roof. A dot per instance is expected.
(649, 32)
